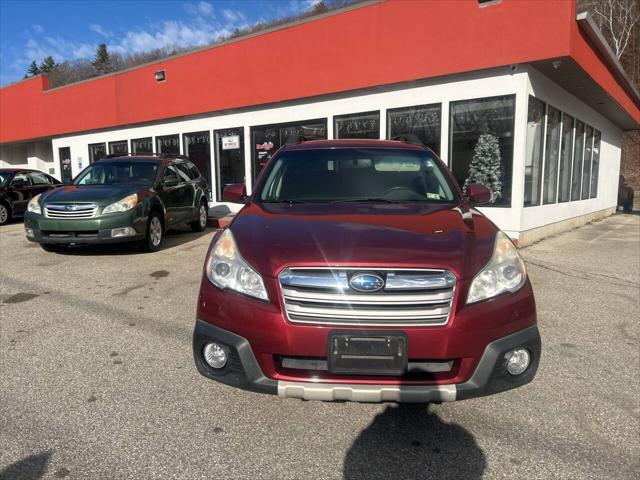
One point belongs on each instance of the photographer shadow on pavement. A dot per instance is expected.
(409, 441)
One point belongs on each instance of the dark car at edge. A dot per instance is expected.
(18, 186)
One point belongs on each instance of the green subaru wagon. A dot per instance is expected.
(120, 199)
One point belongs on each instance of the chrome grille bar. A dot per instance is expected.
(411, 297)
(71, 211)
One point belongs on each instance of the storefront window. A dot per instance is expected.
(97, 151)
(422, 121)
(118, 147)
(267, 139)
(578, 150)
(482, 144)
(197, 147)
(533, 159)
(358, 125)
(586, 165)
(168, 144)
(142, 146)
(595, 164)
(565, 158)
(552, 152)
(230, 158)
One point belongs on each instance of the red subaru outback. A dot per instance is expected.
(357, 270)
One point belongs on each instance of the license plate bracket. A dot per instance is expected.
(373, 352)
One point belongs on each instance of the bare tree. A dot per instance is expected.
(617, 19)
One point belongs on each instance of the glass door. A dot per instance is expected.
(230, 158)
(64, 155)
(197, 146)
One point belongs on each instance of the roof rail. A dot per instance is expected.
(171, 155)
(159, 155)
(116, 155)
(408, 138)
(295, 139)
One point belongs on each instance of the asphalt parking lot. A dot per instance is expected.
(97, 379)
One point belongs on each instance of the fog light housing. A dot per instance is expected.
(214, 355)
(518, 361)
(29, 232)
(122, 232)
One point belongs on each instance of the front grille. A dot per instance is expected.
(410, 297)
(70, 211)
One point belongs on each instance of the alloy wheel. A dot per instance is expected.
(4, 214)
(203, 216)
(155, 231)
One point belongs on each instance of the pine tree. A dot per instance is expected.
(485, 166)
(102, 61)
(318, 8)
(33, 70)
(47, 65)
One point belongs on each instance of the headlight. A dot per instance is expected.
(127, 203)
(34, 205)
(227, 269)
(505, 272)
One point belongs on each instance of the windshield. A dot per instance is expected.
(4, 177)
(120, 172)
(356, 175)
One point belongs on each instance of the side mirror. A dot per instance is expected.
(478, 194)
(236, 193)
(169, 182)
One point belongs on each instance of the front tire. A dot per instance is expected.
(5, 214)
(201, 223)
(155, 233)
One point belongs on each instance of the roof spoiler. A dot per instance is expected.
(295, 139)
(408, 138)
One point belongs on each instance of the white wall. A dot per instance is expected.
(467, 86)
(551, 93)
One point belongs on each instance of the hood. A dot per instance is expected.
(98, 194)
(272, 236)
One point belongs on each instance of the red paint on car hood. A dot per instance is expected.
(273, 236)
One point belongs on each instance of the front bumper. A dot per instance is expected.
(84, 231)
(490, 375)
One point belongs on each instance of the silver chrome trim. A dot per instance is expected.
(71, 211)
(366, 393)
(411, 297)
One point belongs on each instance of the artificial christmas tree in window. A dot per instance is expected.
(485, 166)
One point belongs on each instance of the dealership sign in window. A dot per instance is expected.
(231, 142)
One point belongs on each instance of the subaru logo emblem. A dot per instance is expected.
(366, 282)
(69, 207)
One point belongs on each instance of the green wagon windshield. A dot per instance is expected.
(120, 172)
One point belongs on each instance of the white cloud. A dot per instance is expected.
(97, 28)
(201, 8)
(234, 15)
(56, 47)
(38, 28)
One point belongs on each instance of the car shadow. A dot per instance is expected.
(173, 238)
(32, 467)
(410, 441)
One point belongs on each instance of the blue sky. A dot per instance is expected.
(67, 30)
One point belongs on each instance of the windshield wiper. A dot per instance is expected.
(370, 200)
(290, 202)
